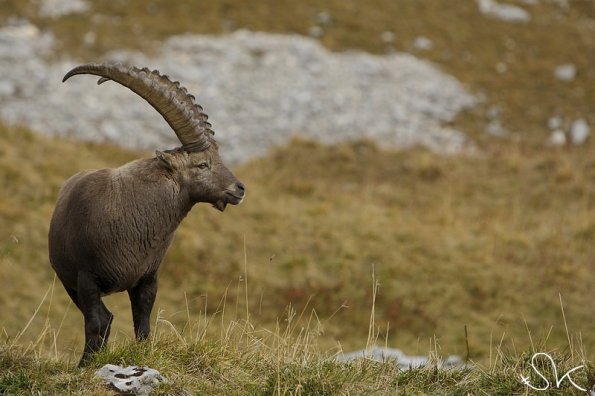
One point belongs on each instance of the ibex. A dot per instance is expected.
(111, 227)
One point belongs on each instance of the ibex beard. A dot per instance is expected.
(112, 227)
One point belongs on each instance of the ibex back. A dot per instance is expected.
(111, 227)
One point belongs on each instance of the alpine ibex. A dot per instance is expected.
(111, 227)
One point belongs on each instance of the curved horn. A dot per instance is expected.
(173, 102)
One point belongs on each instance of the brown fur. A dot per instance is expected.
(111, 229)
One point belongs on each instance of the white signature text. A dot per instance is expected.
(558, 381)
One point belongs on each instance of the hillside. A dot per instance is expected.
(351, 212)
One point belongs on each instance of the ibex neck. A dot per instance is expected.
(159, 203)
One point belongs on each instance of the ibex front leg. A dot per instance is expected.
(142, 297)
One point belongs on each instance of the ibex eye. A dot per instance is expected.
(203, 165)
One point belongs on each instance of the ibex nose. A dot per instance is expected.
(241, 188)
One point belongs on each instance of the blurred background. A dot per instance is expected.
(432, 155)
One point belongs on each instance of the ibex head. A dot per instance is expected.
(204, 176)
(196, 165)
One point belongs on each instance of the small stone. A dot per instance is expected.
(423, 43)
(554, 122)
(496, 129)
(404, 362)
(388, 37)
(58, 8)
(501, 67)
(504, 12)
(324, 18)
(132, 379)
(561, 3)
(89, 38)
(21, 29)
(565, 72)
(556, 139)
(315, 31)
(579, 131)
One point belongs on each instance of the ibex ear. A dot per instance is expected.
(166, 159)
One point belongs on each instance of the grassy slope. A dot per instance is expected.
(483, 242)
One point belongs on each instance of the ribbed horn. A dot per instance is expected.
(173, 102)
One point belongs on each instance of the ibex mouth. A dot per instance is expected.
(220, 205)
(229, 199)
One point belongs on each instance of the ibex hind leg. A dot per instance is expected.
(105, 319)
(98, 318)
(142, 298)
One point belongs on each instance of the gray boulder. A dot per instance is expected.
(130, 380)
(259, 89)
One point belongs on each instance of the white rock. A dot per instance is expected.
(324, 18)
(556, 139)
(423, 43)
(554, 122)
(89, 38)
(403, 361)
(259, 90)
(58, 8)
(501, 67)
(388, 37)
(315, 31)
(495, 128)
(132, 379)
(579, 131)
(561, 3)
(20, 29)
(22, 46)
(505, 12)
(565, 72)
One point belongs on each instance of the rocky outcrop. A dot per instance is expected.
(259, 90)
